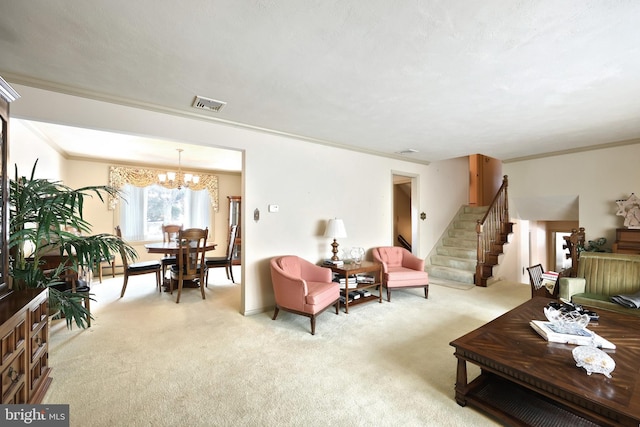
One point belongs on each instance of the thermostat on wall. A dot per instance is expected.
(274, 208)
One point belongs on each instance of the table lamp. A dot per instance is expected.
(335, 229)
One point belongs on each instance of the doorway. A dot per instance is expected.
(557, 254)
(546, 244)
(405, 232)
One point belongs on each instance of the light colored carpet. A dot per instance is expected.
(450, 284)
(148, 361)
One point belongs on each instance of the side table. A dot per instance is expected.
(627, 241)
(347, 270)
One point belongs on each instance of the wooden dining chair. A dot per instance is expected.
(100, 264)
(169, 234)
(137, 268)
(535, 279)
(225, 261)
(191, 265)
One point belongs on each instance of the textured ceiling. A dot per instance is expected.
(122, 149)
(507, 79)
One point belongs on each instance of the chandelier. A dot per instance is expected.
(178, 179)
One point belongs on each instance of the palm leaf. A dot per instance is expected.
(46, 215)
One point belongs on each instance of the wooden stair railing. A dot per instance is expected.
(404, 243)
(492, 232)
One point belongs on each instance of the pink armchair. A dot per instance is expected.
(401, 269)
(303, 288)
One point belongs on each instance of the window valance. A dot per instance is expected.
(143, 177)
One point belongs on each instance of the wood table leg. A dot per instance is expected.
(461, 382)
(346, 294)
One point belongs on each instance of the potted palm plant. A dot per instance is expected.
(46, 217)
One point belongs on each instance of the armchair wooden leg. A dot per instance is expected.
(275, 313)
(426, 292)
(313, 324)
(388, 295)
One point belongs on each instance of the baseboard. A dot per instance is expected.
(257, 311)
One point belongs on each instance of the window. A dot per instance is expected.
(145, 209)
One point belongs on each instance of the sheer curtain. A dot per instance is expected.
(132, 218)
(200, 214)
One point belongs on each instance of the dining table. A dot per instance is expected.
(172, 248)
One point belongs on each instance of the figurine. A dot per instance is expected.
(630, 210)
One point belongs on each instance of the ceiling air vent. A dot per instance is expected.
(208, 104)
(407, 151)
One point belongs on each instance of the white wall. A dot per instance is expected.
(27, 147)
(597, 178)
(310, 182)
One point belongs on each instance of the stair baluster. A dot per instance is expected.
(492, 231)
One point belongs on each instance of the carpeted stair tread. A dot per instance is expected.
(465, 225)
(463, 234)
(441, 272)
(454, 251)
(454, 262)
(460, 243)
(455, 257)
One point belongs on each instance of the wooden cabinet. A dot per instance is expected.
(24, 346)
(7, 95)
(13, 362)
(627, 241)
(24, 322)
(235, 203)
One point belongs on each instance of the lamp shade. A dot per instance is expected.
(335, 229)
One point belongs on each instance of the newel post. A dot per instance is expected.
(480, 254)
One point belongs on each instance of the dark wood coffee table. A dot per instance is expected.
(526, 381)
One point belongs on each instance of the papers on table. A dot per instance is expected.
(581, 336)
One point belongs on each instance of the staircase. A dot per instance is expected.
(455, 256)
(473, 243)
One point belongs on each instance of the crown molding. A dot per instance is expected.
(7, 92)
(575, 150)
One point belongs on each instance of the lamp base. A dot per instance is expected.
(334, 245)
